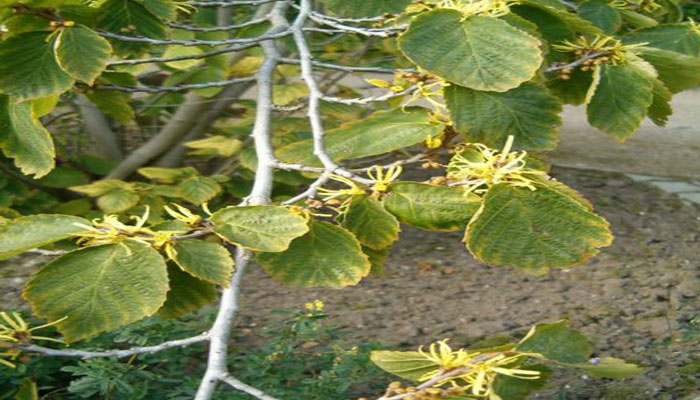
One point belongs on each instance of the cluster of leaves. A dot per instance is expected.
(298, 348)
(511, 371)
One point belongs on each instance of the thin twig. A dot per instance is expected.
(574, 64)
(311, 191)
(430, 383)
(193, 42)
(176, 88)
(347, 68)
(196, 28)
(238, 385)
(315, 95)
(231, 3)
(117, 353)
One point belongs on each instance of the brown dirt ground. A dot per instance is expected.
(638, 300)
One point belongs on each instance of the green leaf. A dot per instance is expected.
(373, 226)
(601, 15)
(574, 90)
(381, 132)
(179, 51)
(63, 177)
(556, 342)
(377, 258)
(572, 21)
(680, 38)
(199, 189)
(549, 27)
(259, 228)
(480, 53)
(217, 145)
(118, 200)
(118, 16)
(215, 69)
(660, 109)
(110, 286)
(620, 101)
(186, 294)
(528, 112)
(82, 53)
(409, 365)
(366, 8)
(29, 68)
(207, 261)
(168, 175)
(535, 230)
(327, 256)
(132, 15)
(113, 103)
(28, 390)
(24, 139)
(165, 9)
(289, 93)
(608, 367)
(637, 20)
(42, 106)
(30, 232)
(509, 388)
(435, 208)
(101, 187)
(677, 71)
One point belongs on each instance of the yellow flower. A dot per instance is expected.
(316, 305)
(110, 230)
(609, 48)
(472, 371)
(14, 331)
(331, 194)
(381, 180)
(477, 165)
(183, 214)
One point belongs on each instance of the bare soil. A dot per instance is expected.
(638, 300)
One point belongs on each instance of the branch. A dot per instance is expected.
(260, 194)
(315, 95)
(117, 353)
(347, 68)
(231, 3)
(193, 42)
(348, 20)
(135, 61)
(367, 100)
(311, 191)
(385, 32)
(574, 64)
(238, 385)
(196, 28)
(428, 384)
(222, 101)
(97, 125)
(175, 88)
(221, 330)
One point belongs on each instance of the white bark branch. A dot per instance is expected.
(238, 385)
(262, 189)
(117, 353)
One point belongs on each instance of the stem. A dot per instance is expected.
(262, 189)
(118, 353)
